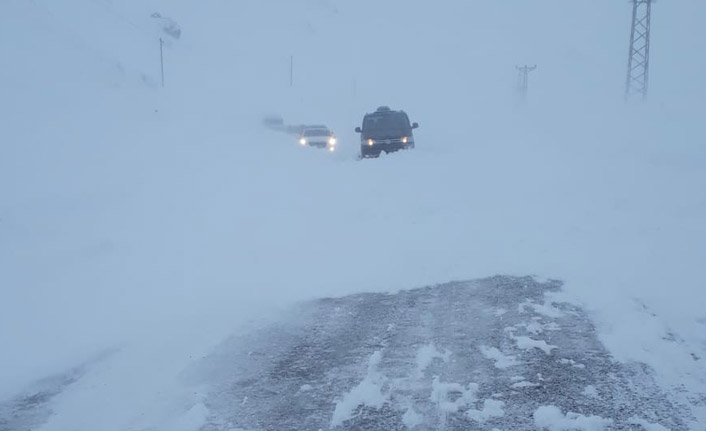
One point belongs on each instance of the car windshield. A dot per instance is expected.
(317, 132)
(393, 123)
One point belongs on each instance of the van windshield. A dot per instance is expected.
(393, 124)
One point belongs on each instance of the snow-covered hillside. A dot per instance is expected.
(140, 225)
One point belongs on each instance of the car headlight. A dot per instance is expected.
(332, 141)
(371, 142)
(404, 140)
(302, 141)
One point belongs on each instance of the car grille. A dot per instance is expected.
(388, 141)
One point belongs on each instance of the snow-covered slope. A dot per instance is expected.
(157, 221)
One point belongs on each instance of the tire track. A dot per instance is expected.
(471, 355)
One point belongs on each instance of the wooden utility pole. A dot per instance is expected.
(161, 58)
(291, 71)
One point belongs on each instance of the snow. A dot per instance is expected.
(534, 327)
(551, 418)
(491, 409)
(565, 361)
(547, 310)
(193, 420)
(368, 392)
(426, 355)
(591, 391)
(411, 418)
(528, 343)
(153, 223)
(499, 359)
(463, 397)
(646, 425)
(524, 384)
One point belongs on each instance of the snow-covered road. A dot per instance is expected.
(492, 353)
(497, 353)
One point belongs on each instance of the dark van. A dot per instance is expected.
(385, 130)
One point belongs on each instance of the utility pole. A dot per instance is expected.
(523, 80)
(161, 58)
(639, 55)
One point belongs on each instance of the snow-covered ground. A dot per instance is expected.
(151, 223)
(418, 360)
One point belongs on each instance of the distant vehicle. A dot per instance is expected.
(273, 121)
(385, 130)
(318, 136)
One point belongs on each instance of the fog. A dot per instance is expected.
(156, 221)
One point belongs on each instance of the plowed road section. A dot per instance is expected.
(485, 354)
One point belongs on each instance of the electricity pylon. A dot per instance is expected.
(639, 57)
(523, 80)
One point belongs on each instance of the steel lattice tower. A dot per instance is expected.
(639, 57)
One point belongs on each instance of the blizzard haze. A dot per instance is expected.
(141, 225)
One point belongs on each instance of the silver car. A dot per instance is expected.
(318, 136)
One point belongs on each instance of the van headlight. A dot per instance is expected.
(332, 141)
(302, 141)
(371, 142)
(404, 140)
